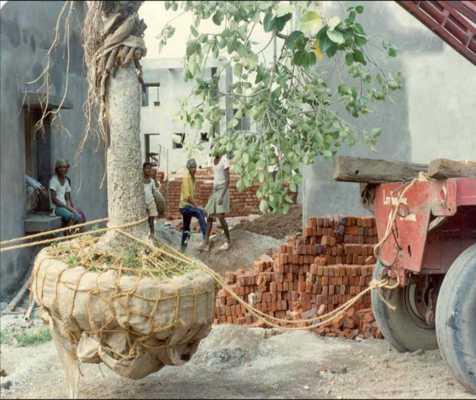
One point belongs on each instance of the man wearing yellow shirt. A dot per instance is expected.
(188, 207)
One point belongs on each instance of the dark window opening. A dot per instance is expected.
(145, 97)
(152, 151)
(178, 140)
(146, 94)
(204, 136)
(38, 160)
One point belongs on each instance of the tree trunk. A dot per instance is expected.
(125, 190)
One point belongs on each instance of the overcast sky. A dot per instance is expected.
(155, 16)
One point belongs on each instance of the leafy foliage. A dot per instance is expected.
(297, 115)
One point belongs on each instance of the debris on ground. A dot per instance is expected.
(242, 362)
(276, 225)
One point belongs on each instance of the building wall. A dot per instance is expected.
(432, 117)
(26, 32)
(163, 119)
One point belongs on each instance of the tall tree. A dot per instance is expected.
(299, 116)
(113, 44)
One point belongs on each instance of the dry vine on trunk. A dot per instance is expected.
(113, 46)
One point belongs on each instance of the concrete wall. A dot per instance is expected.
(25, 36)
(433, 116)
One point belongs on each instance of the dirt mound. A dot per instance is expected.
(278, 226)
(245, 248)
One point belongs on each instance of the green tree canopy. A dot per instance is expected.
(298, 116)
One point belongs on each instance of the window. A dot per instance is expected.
(178, 139)
(204, 137)
(145, 96)
(151, 90)
(153, 149)
(38, 160)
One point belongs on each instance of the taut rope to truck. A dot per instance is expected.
(279, 323)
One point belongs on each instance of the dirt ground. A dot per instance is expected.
(241, 362)
(277, 226)
(246, 247)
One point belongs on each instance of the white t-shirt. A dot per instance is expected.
(219, 171)
(60, 190)
(149, 189)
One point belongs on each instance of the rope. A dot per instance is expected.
(392, 216)
(268, 319)
(275, 322)
(47, 241)
(19, 239)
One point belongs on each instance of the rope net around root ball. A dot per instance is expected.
(134, 309)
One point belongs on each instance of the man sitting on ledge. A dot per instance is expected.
(60, 196)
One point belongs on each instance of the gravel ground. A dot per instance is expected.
(241, 362)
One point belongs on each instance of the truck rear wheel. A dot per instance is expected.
(405, 329)
(456, 318)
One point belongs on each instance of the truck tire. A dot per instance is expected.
(456, 318)
(402, 328)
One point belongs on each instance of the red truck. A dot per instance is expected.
(430, 249)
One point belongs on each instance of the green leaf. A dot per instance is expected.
(327, 153)
(349, 58)
(304, 58)
(360, 40)
(324, 41)
(280, 22)
(260, 74)
(335, 36)
(194, 31)
(392, 52)
(359, 29)
(193, 47)
(359, 57)
(332, 50)
(268, 22)
(351, 18)
(296, 40)
(218, 18)
(310, 58)
(359, 9)
(299, 57)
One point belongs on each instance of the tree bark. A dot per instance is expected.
(125, 190)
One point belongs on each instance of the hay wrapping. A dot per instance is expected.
(135, 320)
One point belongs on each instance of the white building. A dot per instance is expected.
(170, 141)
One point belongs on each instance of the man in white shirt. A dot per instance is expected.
(60, 196)
(219, 202)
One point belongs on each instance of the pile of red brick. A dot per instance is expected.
(242, 203)
(309, 276)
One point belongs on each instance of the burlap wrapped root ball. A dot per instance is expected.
(134, 324)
